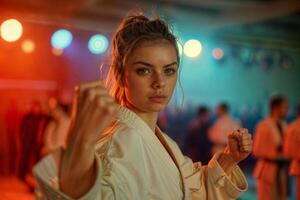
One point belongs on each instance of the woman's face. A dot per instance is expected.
(150, 76)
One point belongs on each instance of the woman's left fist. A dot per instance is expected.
(239, 144)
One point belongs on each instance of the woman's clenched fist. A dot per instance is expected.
(239, 144)
(93, 111)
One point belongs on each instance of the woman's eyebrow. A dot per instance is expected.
(150, 65)
(173, 63)
(143, 63)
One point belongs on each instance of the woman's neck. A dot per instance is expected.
(149, 117)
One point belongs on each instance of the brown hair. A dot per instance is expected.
(133, 30)
(276, 100)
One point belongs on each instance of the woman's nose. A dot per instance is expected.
(158, 81)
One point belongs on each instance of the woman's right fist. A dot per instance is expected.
(93, 111)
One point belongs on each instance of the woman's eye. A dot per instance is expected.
(142, 71)
(170, 71)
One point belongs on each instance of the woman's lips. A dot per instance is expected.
(158, 99)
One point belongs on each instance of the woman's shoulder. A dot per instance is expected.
(119, 130)
(118, 138)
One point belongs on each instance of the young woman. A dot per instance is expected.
(134, 159)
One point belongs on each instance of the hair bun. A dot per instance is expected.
(135, 19)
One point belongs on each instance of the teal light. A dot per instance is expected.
(98, 44)
(61, 39)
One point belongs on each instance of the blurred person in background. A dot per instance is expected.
(57, 128)
(197, 145)
(223, 125)
(32, 129)
(291, 149)
(162, 120)
(271, 168)
(10, 141)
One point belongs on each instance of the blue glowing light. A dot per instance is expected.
(61, 39)
(98, 44)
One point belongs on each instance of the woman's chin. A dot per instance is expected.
(156, 107)
(147, 107)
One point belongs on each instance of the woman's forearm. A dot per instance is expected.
(78, 170)
(226, 162)
(93, 111)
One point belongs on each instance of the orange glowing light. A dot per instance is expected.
(28, 46)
